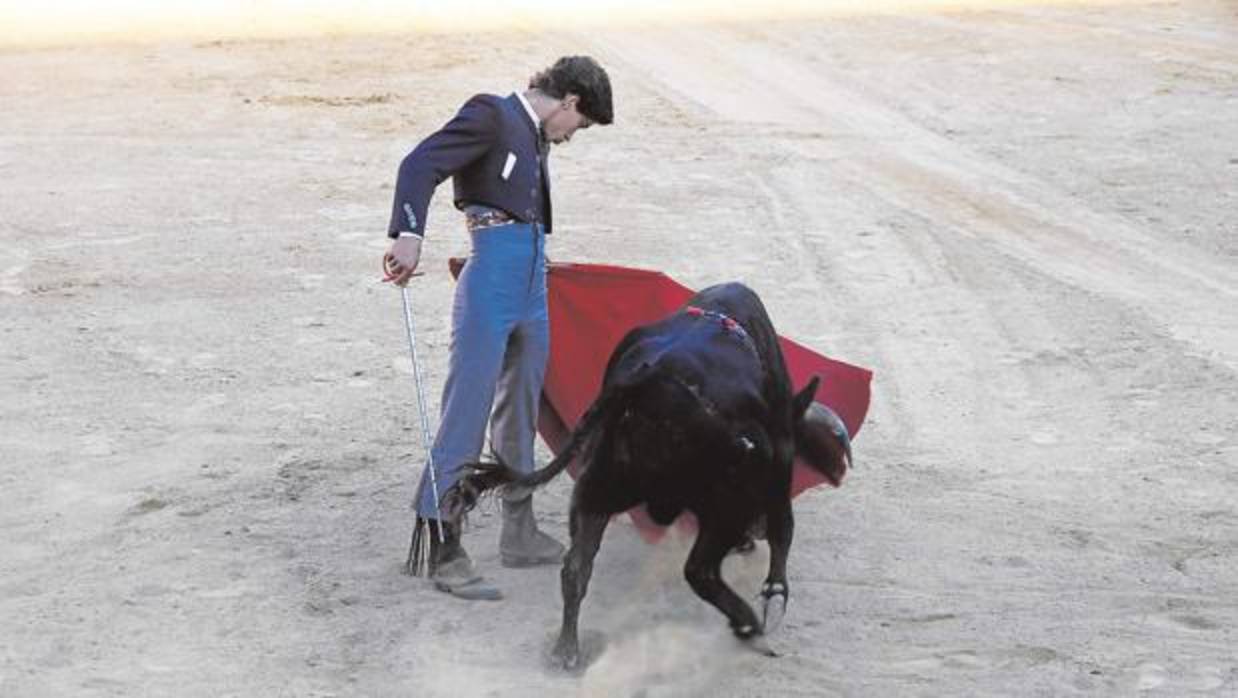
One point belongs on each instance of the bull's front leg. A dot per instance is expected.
(704, 574)
(586, 530)
(780, 526)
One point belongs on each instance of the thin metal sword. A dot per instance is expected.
(425, 418)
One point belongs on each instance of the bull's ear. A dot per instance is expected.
(802, 399)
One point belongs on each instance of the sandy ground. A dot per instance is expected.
(1023, 220)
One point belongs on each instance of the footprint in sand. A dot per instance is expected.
(97, 445)
(203, 360)
(310, 282)
(962, 659)
(206, 407)
(8, 280)
(1008, 659)
(1187, 621)
(1149, 676)
(1043, 438)
(1176, 680)
(13, 261)
(156, 362)
(1195, 622)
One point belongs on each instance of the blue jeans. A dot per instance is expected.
(500, 340)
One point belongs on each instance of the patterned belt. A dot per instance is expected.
(487, 218)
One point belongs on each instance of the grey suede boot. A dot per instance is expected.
(450, 568)
(521, 544)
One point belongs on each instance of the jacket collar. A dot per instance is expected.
(530, 117)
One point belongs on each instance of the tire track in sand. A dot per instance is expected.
(1183, 291)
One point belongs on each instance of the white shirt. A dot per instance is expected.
(529, 108)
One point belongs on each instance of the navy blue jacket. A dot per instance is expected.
(490, 150)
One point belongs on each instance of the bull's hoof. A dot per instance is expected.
(754, 640)
(773, 600)
(574, 658)
(565, 655)
(760, 645)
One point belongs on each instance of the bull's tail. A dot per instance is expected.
(483, 477)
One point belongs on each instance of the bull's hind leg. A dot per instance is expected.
(704, 574)
(586, 530)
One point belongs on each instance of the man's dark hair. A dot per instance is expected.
(583, 77)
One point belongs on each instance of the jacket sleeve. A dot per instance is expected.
(461, 141)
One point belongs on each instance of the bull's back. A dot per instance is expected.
(717, 365)
(743, 305)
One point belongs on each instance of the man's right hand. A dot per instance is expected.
(401, 260)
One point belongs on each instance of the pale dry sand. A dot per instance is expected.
(1022, 219)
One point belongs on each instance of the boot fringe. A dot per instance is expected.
(417, 564)
(420, 562)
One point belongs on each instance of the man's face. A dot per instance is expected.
(564, 121)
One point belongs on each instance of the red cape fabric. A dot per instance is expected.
(592, 306)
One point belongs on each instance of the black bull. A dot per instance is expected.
(696, 413)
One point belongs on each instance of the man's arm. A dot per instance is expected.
(464, 139)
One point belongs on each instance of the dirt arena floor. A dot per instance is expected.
(1024, 220)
